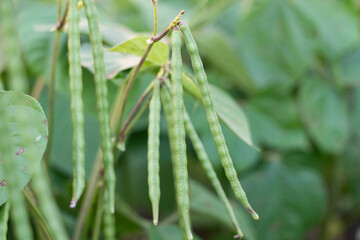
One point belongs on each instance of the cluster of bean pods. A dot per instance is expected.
(177, 121)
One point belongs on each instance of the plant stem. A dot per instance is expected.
(40, 220)
(141, 62)
(58, 28)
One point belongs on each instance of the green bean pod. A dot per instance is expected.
(213, 120)
(4, 218)
(102, 102)
(209, 170)
(109, 219)
(19, 214)
(47, 202)
(13, 51)
(77, 109)
(180, 160)
(153, 150)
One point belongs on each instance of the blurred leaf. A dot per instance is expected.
(206, 203)
(112, 33)
(336, 26)
(37, 120)
(274, 42)
(274, 122)
(114, 62)
(136, 46)
(231, 114)
(61, 155)
(325, 114)
(288, 201)
(35, 23)
(347, 71)
(164, 232)
(223, 57)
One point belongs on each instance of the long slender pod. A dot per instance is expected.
(153, 150)
(77, 109)
(168, 112)
(213, 120)
(102, 102)
(209, 170)
(18, 213)
(180, 160)
(47, 202)
(4, 218)
(109, 219)
(13, 51)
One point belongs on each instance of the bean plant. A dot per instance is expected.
(95, 197)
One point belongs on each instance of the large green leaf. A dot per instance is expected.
(29, 107)
(136, 46)
(347, 71)
(274, 122)
(223, 58)
(335, 25)
(288, 201)
(114, 62)
(206, 203)
(274, 43)
(324, 112)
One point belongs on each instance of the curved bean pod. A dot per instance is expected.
(4, 218)
(19, 214)
(209, 170)
(180, 159)
(77, 109)
(153, 150)
(102, 102)
(214, 121)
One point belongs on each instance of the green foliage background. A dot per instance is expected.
(294, 68)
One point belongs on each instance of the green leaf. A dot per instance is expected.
(274, 122)
(223, 58)
(136, 46)
(336, 34)
(207, 204)
(274, 42)
(347, 71)
(288, 201)
(114, 62)
(324, 113)
(39, 132)
(231, 114)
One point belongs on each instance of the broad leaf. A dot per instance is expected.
(288, 201)
(274, 122)
(30, 108)
(347, 71)
(136, 46)
(324, 113)
(334, 23)
(274, 43)
(231, 114)
(114, 62)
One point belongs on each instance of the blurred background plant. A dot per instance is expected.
(294, 68)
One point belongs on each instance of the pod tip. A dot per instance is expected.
(73, 203)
